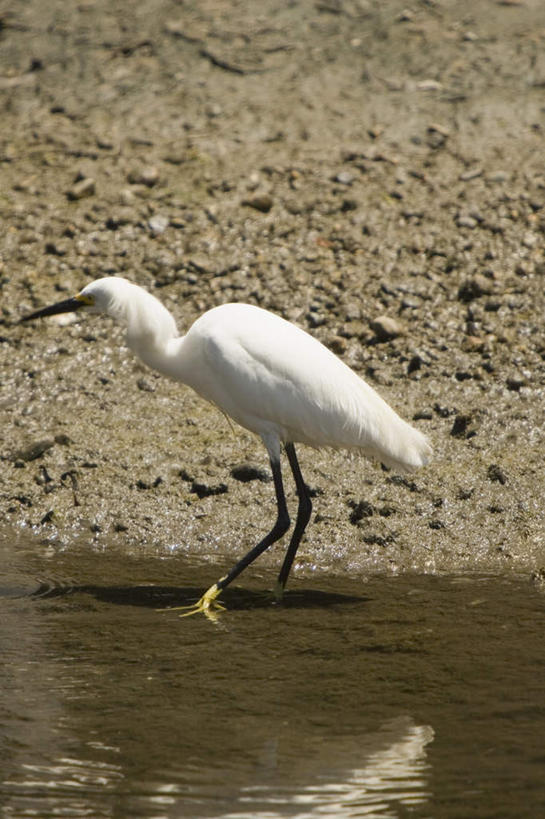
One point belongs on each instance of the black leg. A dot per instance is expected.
(280, 528)
(303, 516)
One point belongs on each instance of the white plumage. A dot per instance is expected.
(269, 376)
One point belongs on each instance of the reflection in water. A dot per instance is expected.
(57, 783)
(394, 774)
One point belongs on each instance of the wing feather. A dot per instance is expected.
(274, 378)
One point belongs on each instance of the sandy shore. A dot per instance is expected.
(371, 172)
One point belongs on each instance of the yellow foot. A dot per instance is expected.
(207, 605)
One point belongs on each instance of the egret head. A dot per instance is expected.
(106, 295)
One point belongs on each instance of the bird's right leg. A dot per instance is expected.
(208, 602)
(304, 511)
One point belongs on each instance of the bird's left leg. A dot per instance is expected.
(304, 511)
(208, 601)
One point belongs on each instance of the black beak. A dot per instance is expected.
(66, 306)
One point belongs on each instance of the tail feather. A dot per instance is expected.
(412, 450)
(393, 441)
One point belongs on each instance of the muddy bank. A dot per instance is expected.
(371, 172)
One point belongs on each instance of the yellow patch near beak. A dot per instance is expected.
(87, 300)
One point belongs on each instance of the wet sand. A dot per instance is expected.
(338, 163)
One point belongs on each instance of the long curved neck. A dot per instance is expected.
(166, 358)
(151, 330)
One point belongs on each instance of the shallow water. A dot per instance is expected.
(406, 696)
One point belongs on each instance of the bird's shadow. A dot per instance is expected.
(165, 597)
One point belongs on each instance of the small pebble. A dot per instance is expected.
(82, 189)
(496, 474)
(127, 197)
(466, 221)
(475, 287)
(515, 383)
(34, 450)
(158, 224)
(470, 174)
(148, 176)
(344, 178)
(473, 344)
(498, 176)
(529, 240)
(248, 472)
(204, 490)
(460, 426)
(262, 202)
(337, 345)
(254, 181)
(437, 135)
(55, 249)
(145, 385)
(386, 328)
(429, 85)
(360, 511)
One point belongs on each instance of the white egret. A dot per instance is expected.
(270, 377)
